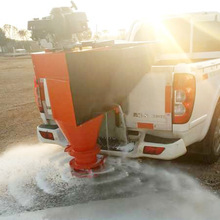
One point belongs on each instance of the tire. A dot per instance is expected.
(211, 143)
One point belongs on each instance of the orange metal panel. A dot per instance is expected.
(82, 139)
(50, 65)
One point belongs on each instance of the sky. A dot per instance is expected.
(103, 14)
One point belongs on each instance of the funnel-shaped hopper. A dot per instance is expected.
(83, 85)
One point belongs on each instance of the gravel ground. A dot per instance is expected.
(19, 117)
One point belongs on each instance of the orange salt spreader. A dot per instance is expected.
(77, 82)
(81, 85)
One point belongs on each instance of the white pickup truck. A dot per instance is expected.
(175, 107)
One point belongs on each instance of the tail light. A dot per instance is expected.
(153, 150)
(184, 96)
(47, 135)
(39, 93)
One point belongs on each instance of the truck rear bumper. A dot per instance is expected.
(51, 134)
(170, 151)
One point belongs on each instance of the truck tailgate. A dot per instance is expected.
(149, 105)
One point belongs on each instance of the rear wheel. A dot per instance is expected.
(211, 143)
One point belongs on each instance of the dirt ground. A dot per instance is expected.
(19, 117)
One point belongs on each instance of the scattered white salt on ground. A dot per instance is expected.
(36, 183)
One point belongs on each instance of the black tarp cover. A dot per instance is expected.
(101, 78)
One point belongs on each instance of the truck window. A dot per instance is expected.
(173, 33)
(145, 33)
(206, 36)
(176, 35)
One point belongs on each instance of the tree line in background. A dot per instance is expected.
(11, 38)
(12, 32)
